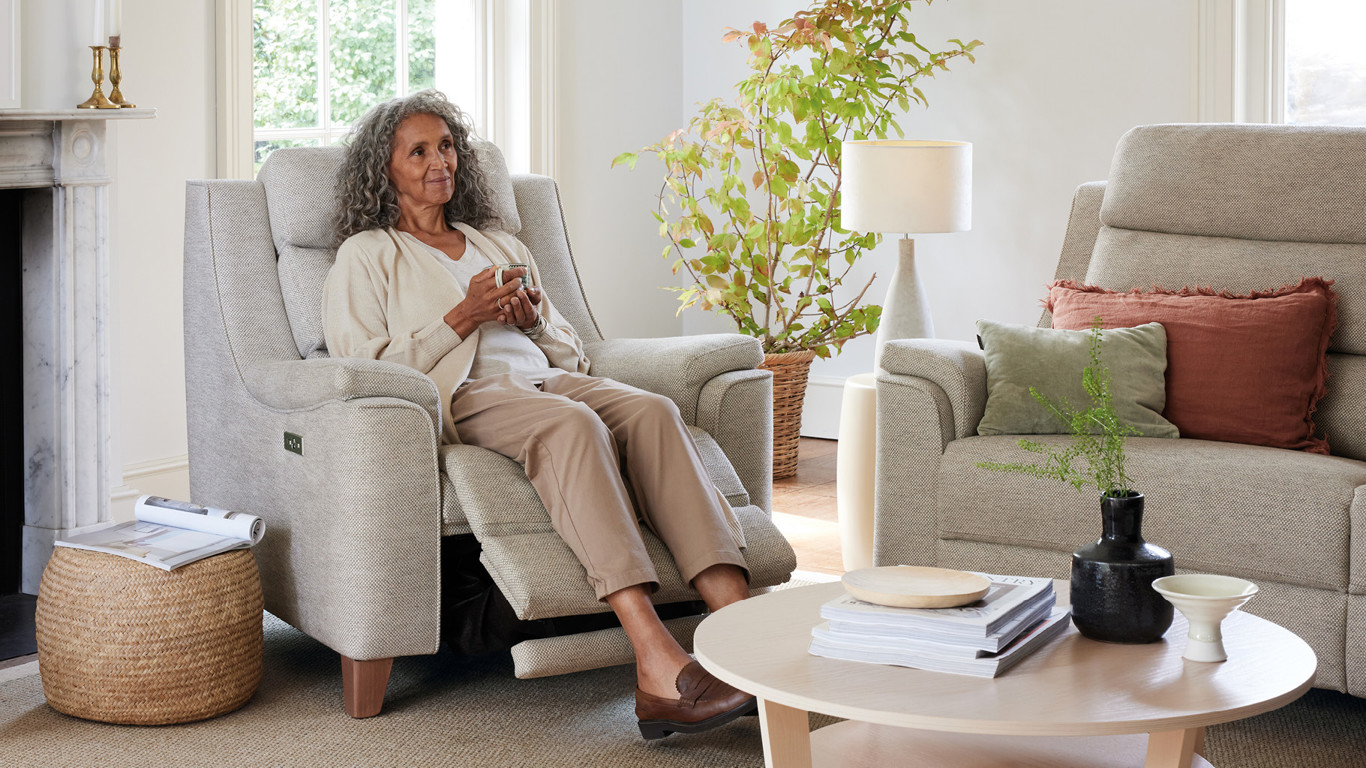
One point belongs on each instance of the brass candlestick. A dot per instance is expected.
(97, 98)
(116, 77)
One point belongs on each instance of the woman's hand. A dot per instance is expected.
(522, 308)
(485, 301)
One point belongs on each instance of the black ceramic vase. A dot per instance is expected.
(1112, 580)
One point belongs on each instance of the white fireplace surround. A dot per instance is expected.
(58, 156)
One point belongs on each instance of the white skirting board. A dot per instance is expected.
(169, 477)
(821, 408)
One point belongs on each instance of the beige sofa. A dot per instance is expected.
(1239, 207)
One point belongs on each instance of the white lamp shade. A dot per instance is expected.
(906, 186)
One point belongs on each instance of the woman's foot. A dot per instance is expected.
(657, 673)
(699, 702)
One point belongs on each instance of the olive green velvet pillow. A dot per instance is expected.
(1020, 356)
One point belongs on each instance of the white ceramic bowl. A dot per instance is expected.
(1205, 599)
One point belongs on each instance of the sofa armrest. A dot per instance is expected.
(351, 554)
(288, 385)
(736, 409)
(676, 367)
(958, 368)
(929, 393)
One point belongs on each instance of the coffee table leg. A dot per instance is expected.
(1174, 749)
(787, 735)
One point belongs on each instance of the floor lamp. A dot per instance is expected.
(912, 187)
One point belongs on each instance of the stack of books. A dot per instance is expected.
(1017, 615)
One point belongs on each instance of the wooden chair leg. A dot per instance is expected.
(363, 684)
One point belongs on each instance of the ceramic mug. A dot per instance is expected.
(527, 282)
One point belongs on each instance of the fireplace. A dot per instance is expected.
(11, 408)
(54, 184)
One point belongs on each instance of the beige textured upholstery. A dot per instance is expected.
(354, 552)
(1240, 207)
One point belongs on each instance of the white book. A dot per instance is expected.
(953, 643)
(169, 533)
(990, 665)
(1004, 601)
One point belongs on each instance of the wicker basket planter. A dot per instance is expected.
(124, 642)
(790, 370)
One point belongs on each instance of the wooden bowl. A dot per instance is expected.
(913, 586)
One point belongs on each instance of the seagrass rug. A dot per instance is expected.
(446, 710)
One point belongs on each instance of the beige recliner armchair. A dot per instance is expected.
(1238, 207)
(366, 511)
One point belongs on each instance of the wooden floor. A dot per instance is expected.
(804, 508)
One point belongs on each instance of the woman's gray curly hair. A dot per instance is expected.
(365, 195)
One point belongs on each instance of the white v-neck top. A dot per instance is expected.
(386, 297)
(502, 348)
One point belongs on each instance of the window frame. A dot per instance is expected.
(536, 140)
(1241, 67)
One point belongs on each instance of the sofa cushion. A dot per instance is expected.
(1340, 416)
(535, 570)
(528, 559)
(1219, 507)
(1020, 358)
(1245, 369)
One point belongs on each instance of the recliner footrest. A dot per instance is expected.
(564, 654)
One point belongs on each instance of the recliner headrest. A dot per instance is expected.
(300, 184)
(1253, 182)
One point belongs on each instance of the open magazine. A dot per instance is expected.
(169, 533)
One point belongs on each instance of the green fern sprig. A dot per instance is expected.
(1095, 455)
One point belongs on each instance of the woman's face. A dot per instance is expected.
(422, 166)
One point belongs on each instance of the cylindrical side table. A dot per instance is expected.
(854, 468)
(124, 642)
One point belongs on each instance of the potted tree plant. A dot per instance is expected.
(1112, 595)
(751, 193)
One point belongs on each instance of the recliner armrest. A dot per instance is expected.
(677, 367)
(293, 384)
(956, 367)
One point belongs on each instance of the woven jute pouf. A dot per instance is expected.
(789, 391)
(124, 642)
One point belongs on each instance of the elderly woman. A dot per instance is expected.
(416, 282)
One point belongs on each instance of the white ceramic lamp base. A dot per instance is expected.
(906, 311)
(1205, 599)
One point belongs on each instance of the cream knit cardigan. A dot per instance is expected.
(387, 295)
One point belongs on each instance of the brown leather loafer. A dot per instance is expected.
(703, 703)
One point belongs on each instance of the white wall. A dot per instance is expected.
(55, 63)
(1054, 87)
(167, 63)
(620, 87)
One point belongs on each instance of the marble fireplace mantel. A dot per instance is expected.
(59, 157)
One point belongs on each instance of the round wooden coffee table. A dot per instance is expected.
(1075, 702)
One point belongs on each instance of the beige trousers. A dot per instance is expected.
(582, 440)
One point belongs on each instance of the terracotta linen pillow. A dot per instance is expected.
(1240, 369)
